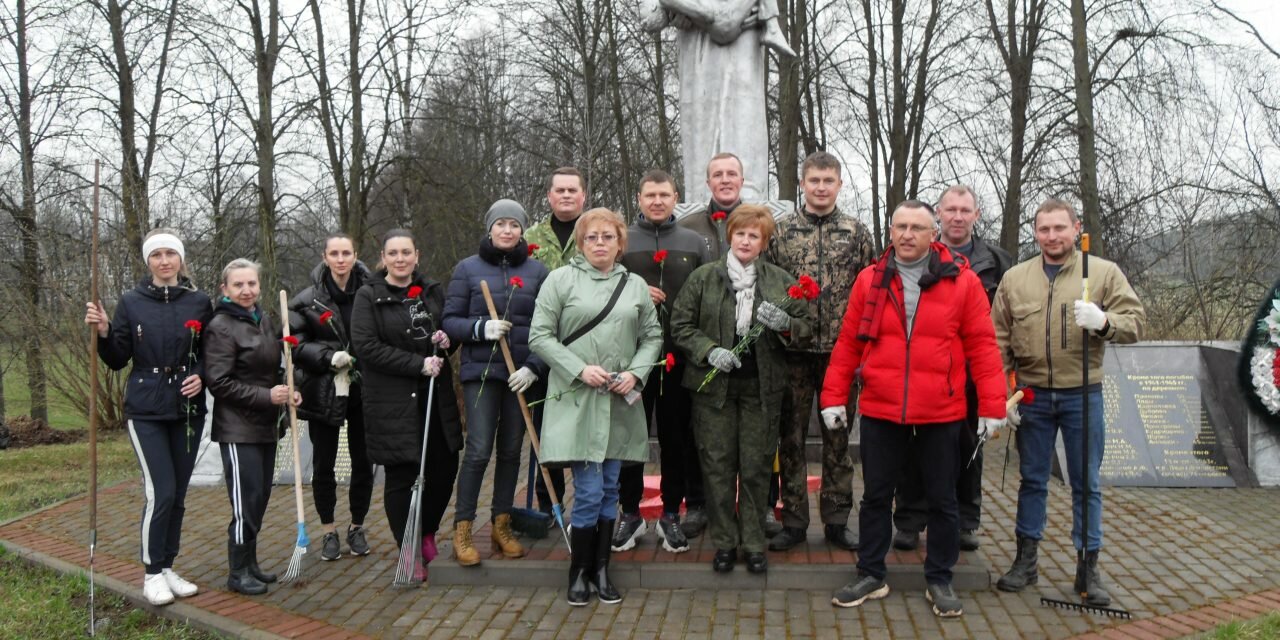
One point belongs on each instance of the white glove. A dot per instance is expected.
(772, 316)
(835, 418)
(1089, 316)
(440, 339)
(989, 427)
(723, 359)
(1013, 418)
(521, 380)
(342, 383)
(495, 329)
(341, 360)
(432, 365)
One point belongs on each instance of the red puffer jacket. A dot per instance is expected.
(919, 380)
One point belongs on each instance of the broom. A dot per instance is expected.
(300, 549)
(1084, 457)
(409, 569)
(556, 510)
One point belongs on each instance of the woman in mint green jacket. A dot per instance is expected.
(593, 422)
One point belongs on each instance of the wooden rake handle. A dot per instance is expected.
(293, 410)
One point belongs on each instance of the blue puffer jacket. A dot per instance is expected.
(149, 329)
(465, 309)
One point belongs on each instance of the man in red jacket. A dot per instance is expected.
(915, 318)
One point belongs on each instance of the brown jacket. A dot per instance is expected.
(241, 364)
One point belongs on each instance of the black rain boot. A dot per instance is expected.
(600, 571)
(1089, 582)
(1023, 573)
(240, 580)
(581, 557)
(254, 569)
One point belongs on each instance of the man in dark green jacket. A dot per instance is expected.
(724, 178)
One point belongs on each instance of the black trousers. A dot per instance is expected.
(166, 456)
(669, 404)
(324, 444)
(911, 510)
(248, 469)
(441, 471)
(886, 447)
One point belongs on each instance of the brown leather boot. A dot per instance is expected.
(501, 535)
(463, 550)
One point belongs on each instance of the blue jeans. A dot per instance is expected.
(1054, 410)
(595, 492)
(491, 417)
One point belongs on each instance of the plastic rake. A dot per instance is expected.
(300, 549)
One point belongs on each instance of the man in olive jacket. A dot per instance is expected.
(724, 178)
(1040, 315)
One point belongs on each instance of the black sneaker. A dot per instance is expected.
(630, 527)
(694, 523)
(945, 602)
(356, 541)
(723, 560)
(969, 540)
(673, 538)
(787, 538)
(840, 536)
(859, 591)
(906, 540)
(757, 562)
(330, 548)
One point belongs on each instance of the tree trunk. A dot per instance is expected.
(266, 50)
(1089, 199)
(629, 177)
(357, 190)
(133, 188)
(29, 267)
(873, 122)
(789, 105)
(660, 98)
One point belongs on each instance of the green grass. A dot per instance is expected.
(17, 400)
(39, 476)
(1264, 628)
(42, 603)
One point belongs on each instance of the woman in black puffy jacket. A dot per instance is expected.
(320, 316)
(395, 329)
(157, 326)
(242, 371)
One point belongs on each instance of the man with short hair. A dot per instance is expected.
(914, 318)
(724, 179)
(957, 214)
(566, 195)
(818, 240)
(551, 243)
(664, 255)
(1041, 316)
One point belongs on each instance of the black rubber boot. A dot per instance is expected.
(1023, 573)
(1089, 582)
(581, 557)
(600, 570)
(240, 580)
(254, 569)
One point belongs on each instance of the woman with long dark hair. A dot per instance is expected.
(395, 329)
(157, 326)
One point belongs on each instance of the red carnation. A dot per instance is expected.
(517, 282)
(794, 291)
(1028, 396)
(194, 326)
(326, 317)
(415, 291)
(533, 246)
(718, 216)
(292, 340)
(671, 361)
(660, 255)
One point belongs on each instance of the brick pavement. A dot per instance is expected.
(1179, 559)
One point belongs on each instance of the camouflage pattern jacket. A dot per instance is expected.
(549, 251)
(832, 249)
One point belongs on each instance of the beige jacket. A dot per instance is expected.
(1036, 327)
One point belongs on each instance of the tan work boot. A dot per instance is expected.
(502, 536)
(463, 550)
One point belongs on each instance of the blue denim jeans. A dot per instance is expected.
(595, 492)
(1051, 411)
(492, 417)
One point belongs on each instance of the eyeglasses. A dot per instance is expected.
(604, 238)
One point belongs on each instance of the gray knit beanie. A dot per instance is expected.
(505, 208)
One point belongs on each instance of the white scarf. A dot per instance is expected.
(743, 280)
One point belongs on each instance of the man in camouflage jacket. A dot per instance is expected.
(830, 246)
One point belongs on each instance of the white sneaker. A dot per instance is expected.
(177, 585)
(156, 589)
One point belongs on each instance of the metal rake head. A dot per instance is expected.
(410, 572)
(1086, 608)
(295, 565)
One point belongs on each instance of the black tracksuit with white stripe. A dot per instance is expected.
(148, 328)
(241, 365)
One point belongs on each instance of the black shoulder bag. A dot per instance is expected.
(604, 313)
